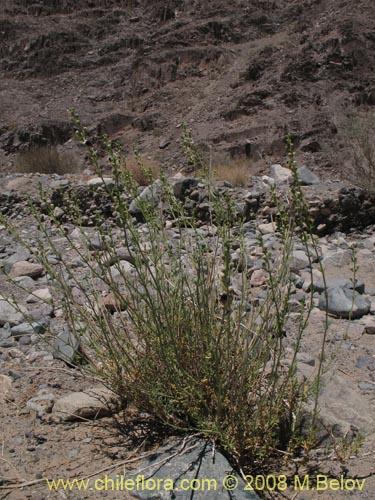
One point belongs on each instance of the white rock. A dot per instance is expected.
(10, 313)
(99, 181)
(267, 228)
(43, 294)
(93, 403)
(280, 174)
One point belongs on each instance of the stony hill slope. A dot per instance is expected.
(238, 73)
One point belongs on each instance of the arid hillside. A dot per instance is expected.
(240, 74)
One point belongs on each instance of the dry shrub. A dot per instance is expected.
(359, 132)
(143, 171)
(237, 172)
(46, 160)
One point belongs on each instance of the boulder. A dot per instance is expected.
(149, 196)
(183, 186)
(280, 174)
(344, 303)
(192, 460)
(319, 286)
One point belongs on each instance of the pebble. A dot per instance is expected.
(25, 268)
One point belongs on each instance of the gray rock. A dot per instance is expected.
(150, 195)
(24, 340)
(344, 303)
(66, 346)
(52, 259)
(366, 386)
(338, 283)
(20, 254)
(93, 403)
(299, 260)
(41, 314)
(266, 181)
(25, 282)
(164, 143)
(8, 343)
(183, 185)
(368, 325)
(28, 329)
(197, 463)
(96, 243)
(363, 361)
(5, 333)
(337, 259)
(58, 213)
(10, 313)
(77, 234)
(306, 177)
(121, 253)
(121, 268)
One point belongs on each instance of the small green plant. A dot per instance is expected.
(183, 339)
(45, 160)
(193, 156)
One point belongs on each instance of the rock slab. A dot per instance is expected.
(192, 460)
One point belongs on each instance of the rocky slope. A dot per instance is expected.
(240, 74)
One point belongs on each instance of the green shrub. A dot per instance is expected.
(179, 341)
